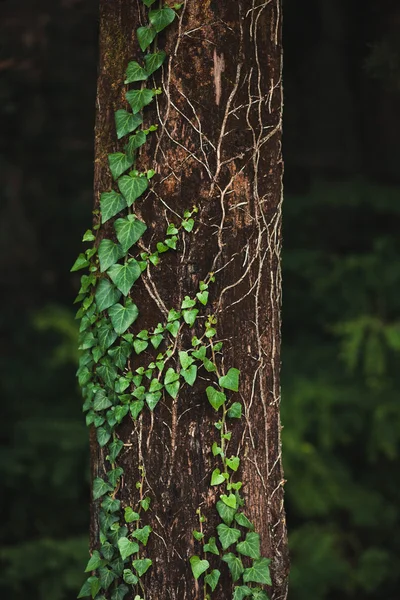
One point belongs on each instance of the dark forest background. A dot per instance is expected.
(341, 314)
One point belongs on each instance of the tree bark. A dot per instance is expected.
(218, 147)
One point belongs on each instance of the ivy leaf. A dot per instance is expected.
(258, 572)
(226, 513)
(103, 436)
(242, 520)
(142, 534)
(145, 503)
(188, 302)
(161, 18)
(129, 230)
(259, 594)
(148, 2)
(119, 163)
(107, 550)
(215, 398)
(190, 374)
(140, 345)
(130, 515)
(109, 253)
(129, 577)
(135, 141)
(120, 592)
(152, 399)
(189, 316)
(217, 478)
(111, 504)
(80, 263)
(122, 317)
(198, 566)
(138, 99)
(227, 535)
(188, 225)
(114, 449)
(202, 297)
(250, 546)
(173, 328)
(154, 62)
(135, 72)
(106, 294)
(107, 372)
(235, 565)
(124, 276)
(95, 562)
(136, 408)
(101, 401)
(142, 565)
(229, 500)
(235, 411)
(132, 187)
(120, 354)
(100, 487)
(212, 579)
(233, 462)
(106, 577)
(230, 381)
(242, 591)
(91, 585)
(185, 360)
(211, 546)
(145, 36)
(106, 335)
(111, 203)
(127, 548)
(126, 122)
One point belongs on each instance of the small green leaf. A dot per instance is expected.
(136, 408)
(173, 328)
(202, 297)
(119, 163)
(119, 592)
(127, 548)
(91, 585)
(142, 534)
(106, 577)
(152, 399)
(129, 577)
(124, 276)
(109, 253)
(80, 263)
(217, 478)
(145, 36)
(215, 398)
(95, 561)
(138, 99)
(142, 565)
(140, 345)
(135, 72)
(111, 203)
(126, 122)
(161, 18)
(129, 230)
(154, 62)
(101, 401)
(258, 572)
(190, 374)
(242, 591)
(211, 546)
(212, 579)
(227, 535)
(100, 487)
(130, 515)
(216, 450)
(185, 360)
(189, 316)
(148, 2)
(135, 142)
(229, 500)
(88, 236)
(235, 411)
(198, 535)
(188, 302)
(122, 317)
(233, 462)
(106, 335)
(198, 566)
(106, 294)
(188, 225)
(250, 546)
(156, 340)
(103, 436)
(230, 381)
(114, 449)
(132, 187)
(145, 503)
(242, 520)
(226, 513)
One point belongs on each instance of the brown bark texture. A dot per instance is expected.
(218, 147)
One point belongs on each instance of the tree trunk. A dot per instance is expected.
(218, 148)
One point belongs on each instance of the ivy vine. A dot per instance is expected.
(113, 392)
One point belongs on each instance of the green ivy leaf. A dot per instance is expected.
(198, 535)
(130, 515)
(242, 591)
(202, 297)
(107, 550)
(129, 577)
(129, 230)
(109, 253)
(235, 411)
(114, 449)
(106, 335)
(145, 36)
(107, 372)
(142, 565)
(189, 316)
(259, 594)
(211, 546)
(80, 263)
(86, 589)
(148, 2)
(145, 503)
(106, 294)
(140, 345)
(135, 72)
(215, 398)
(242, 520)
(142, 534)
(226, 513)
(190, 374)
(188, 302)
(185, 359)
(258, 572)
(135, 142)
(233, 462)
(132, 187)
(227, 535)
(120, 592)
(173, 328)
(188, 225)
(106, 577)
(217, 478)
(212, 579)
(198, 566)
(138, 99)
(235, 565)
(154, 62)
(122, 317)
(126, 122)
(127, 548)
(229, 500)
(95, 561)
(111, 203)
(156, 340)
(136, 408)
(103, 436)
(120, 354)
(100, 487)
(101, 401)
(161, 18)
(119, 163)
(250, 546)
(152, 399)
(111, 504)
(230, 381)
(124, 276)
(114, 475)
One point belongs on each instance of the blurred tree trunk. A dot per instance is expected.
(219, 148)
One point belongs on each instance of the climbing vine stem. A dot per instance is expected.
(112, 392)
